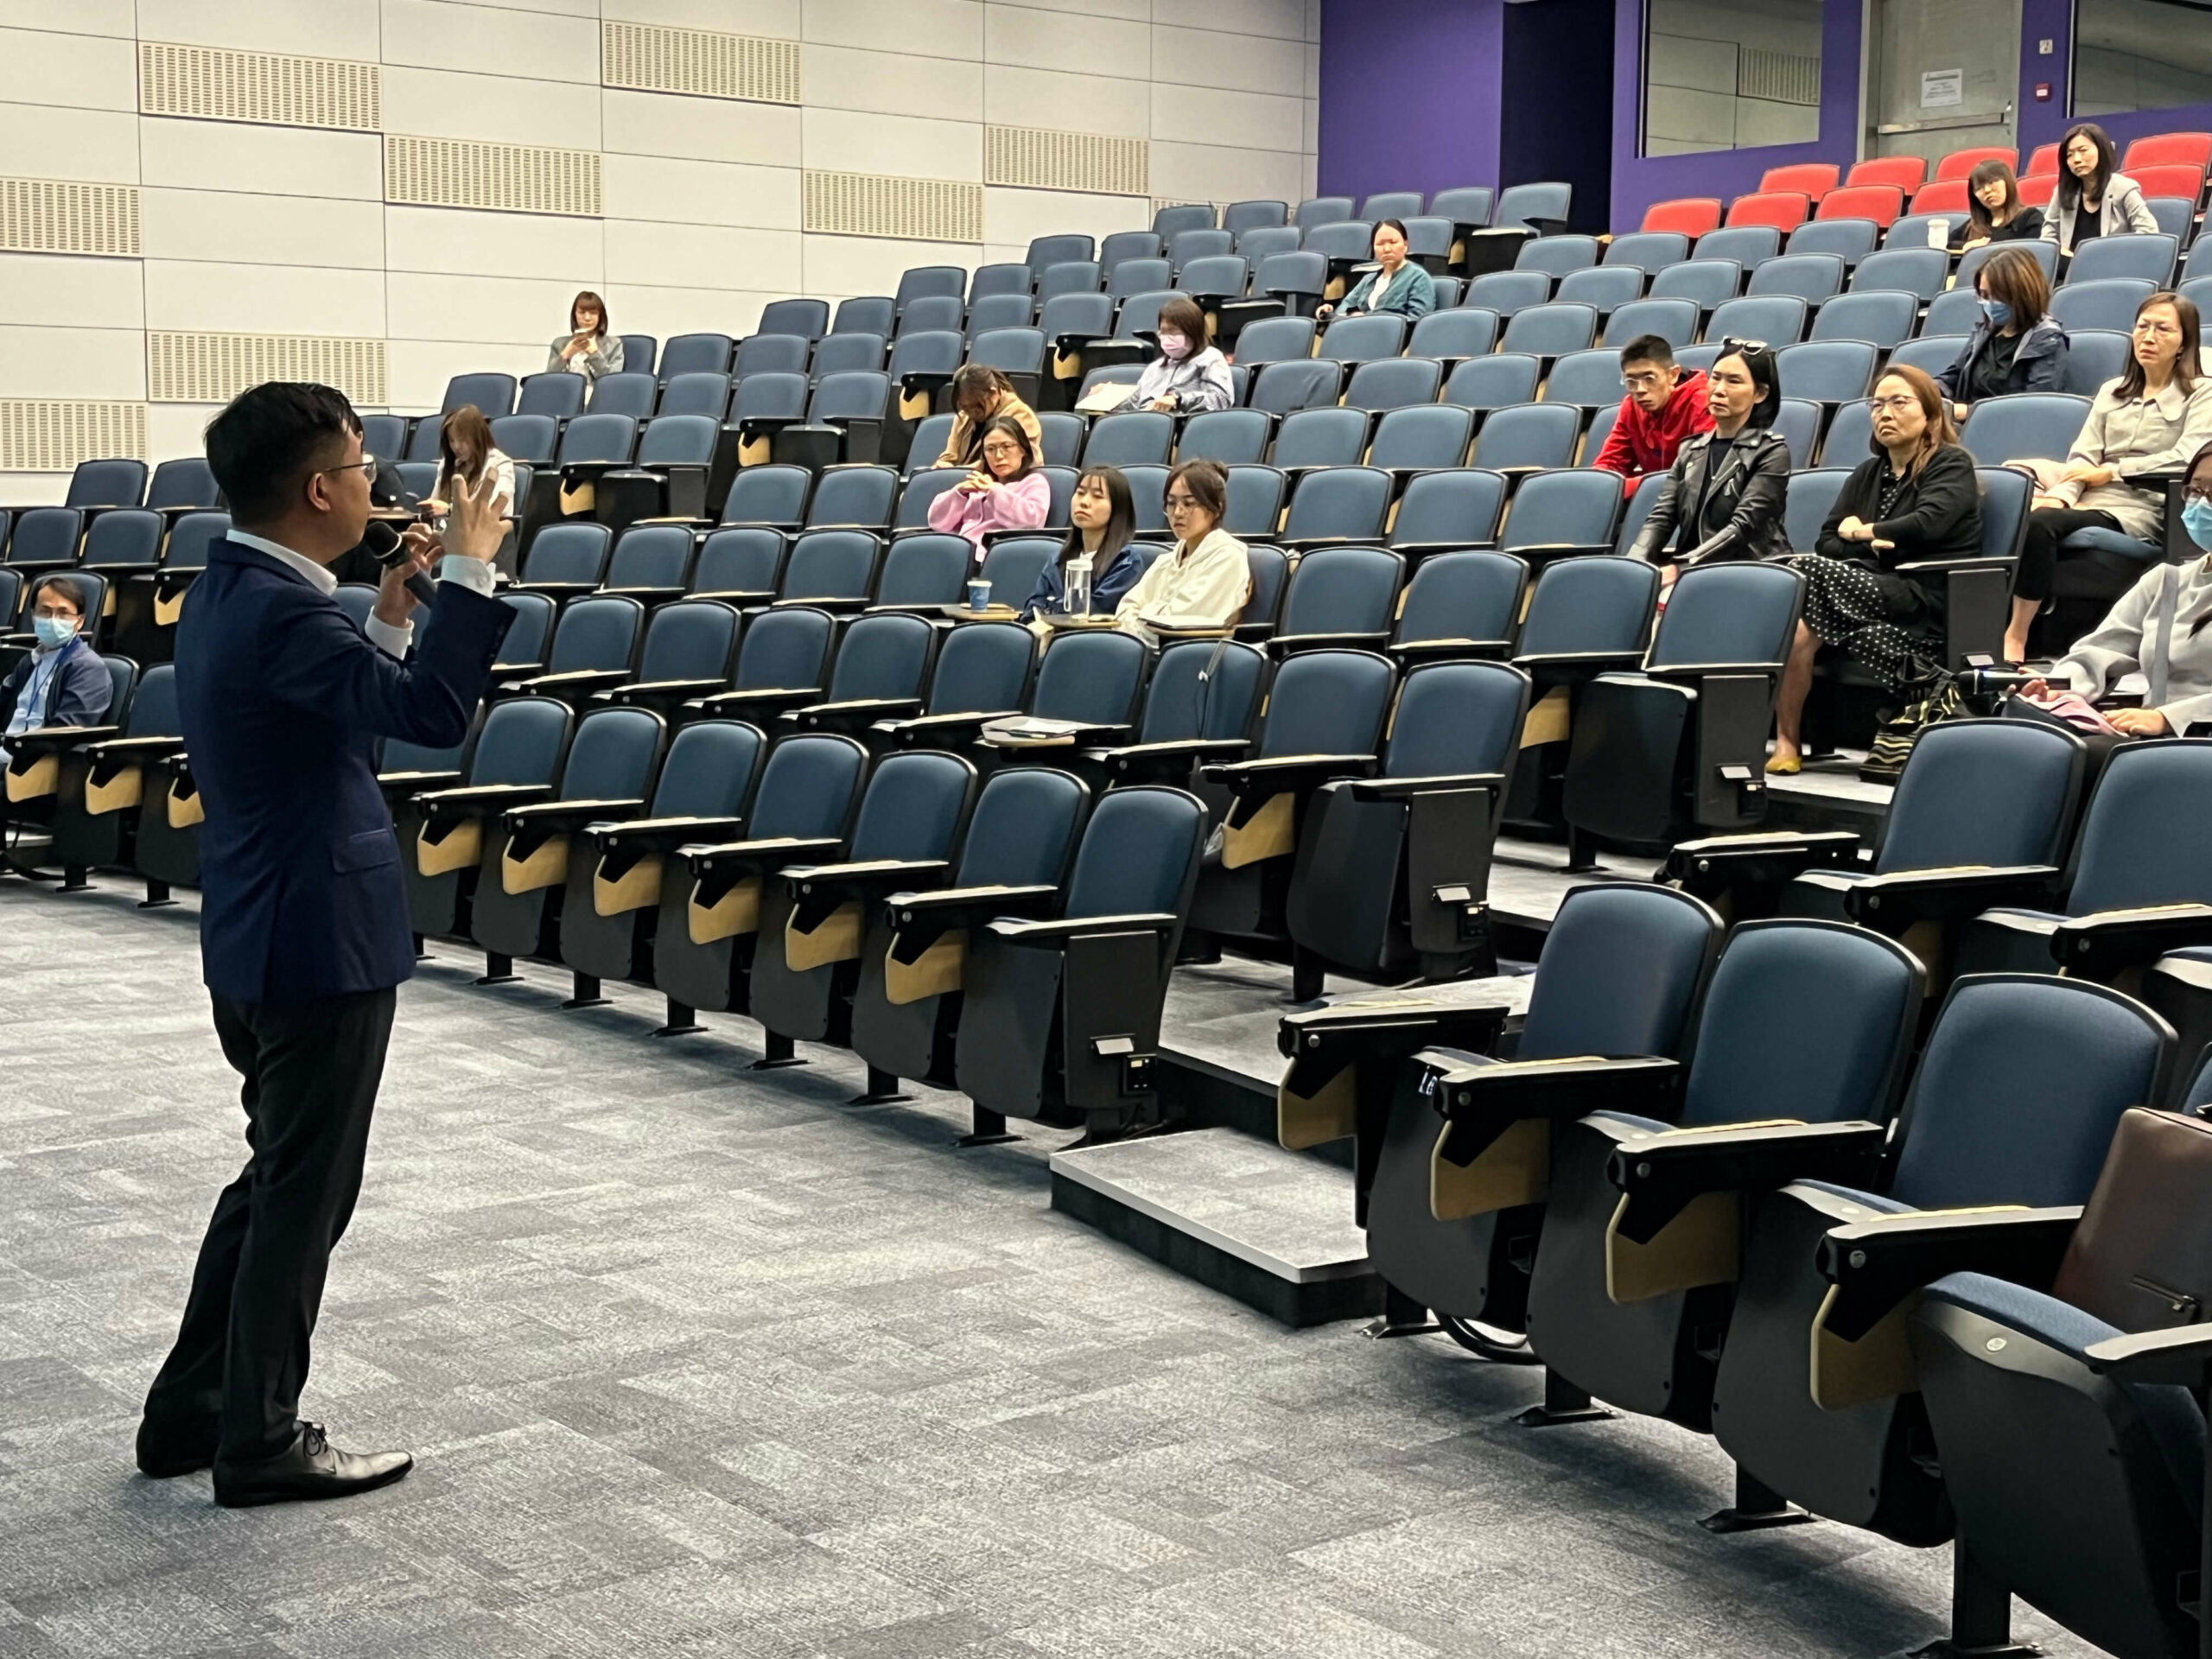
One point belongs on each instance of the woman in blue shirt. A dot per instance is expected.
(63, 681)
(1103, 519)
(1399, 285)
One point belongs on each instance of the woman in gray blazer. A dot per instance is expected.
(590, 347)
(2094, 198)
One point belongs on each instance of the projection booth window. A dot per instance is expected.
(1731, 74)
(2141, 54)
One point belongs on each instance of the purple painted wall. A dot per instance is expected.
(1424, 119)
(1639, 181)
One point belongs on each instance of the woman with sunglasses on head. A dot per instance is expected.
(1914, 499)
(2017, 345)
(2095, 197)
(1724, 497)
(1205, 580)
(2152, 418)
(2162, 629)
(1102, 524)
(1005, 491)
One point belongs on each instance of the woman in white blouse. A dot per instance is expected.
(1205, 581)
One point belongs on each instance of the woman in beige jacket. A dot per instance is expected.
(1205, 580)
(981, 396)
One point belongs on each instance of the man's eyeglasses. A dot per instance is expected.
(366, 467)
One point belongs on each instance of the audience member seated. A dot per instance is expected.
(1725, 496)
(1994, 210)
(981, 396)
(590, 347)
(2166, 612)
(1203, 580)
(1005, 493)
(2094, 198)
(467, 451)
(1103, 520)
(63, 681)
(1665, 407)
(2152, 418)
(1914, 499)
(1189, 376)
(2017, 346)
(1399, 286)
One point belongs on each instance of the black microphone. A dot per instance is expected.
(386, 546)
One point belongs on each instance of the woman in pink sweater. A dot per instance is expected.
(1005, 493)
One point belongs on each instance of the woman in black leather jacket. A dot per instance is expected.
(1725, 498)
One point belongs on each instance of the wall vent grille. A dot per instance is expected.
(870, 204)
(1040, 158)
(209, 368)
(59, 216)
(700, 62)
(1777, 76)
(215, 84)
(503, 178)
(43, 434)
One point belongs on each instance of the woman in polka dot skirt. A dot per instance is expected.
(1915, 497)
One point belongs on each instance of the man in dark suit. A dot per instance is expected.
(303, 916)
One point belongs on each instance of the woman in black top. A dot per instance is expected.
(2017, 345)
(1994, 210)
(1725, 496)
(1915, 498)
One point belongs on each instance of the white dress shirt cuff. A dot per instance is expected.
(393, 641)
(472, 574)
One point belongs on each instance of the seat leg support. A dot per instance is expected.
(498, 970)
(882, 1090)
(74, 879)
(1401, 1317)
(157, 895)
(1757, 1506)
(1981, 1616)
(988, 1129)
(776, 1050)
(1306, 975)
(682, 1022)
(420, 955)
(583, 992)
(1563, 1403)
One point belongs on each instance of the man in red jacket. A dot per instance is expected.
(1663, 409)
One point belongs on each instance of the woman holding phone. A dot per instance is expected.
(588, 348)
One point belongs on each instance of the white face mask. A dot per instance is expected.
(1176, 346)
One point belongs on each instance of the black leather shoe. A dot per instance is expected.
(178, 1446)
(309, 1468)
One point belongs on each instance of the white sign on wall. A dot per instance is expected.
(1939, 87)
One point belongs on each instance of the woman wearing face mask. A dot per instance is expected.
(1398, 285)
(2153, 417)
(2016, 346)
(1005, 493)
(2095, 197)
(1725, 496)
(981, 396)
(1205, 580)
(1914, 499)
(1103, 517)
(2162, 629)
(63, 681)
(588, 349)
(1994, 210)
(1188, 375)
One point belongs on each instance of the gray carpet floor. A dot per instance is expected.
(698, 1360)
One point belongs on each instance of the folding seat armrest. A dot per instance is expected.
(1412, 652)
(924, 729)
(2098, 946)
(1876, 1264)
(1941, 567)
(1714, 864)
(643, 835)
(53, 739)
(736, 858)
(647, 596)
(2182, 1357)
(1081, 737)
(1281, 645)
(1891, 904)
(544, 819)
(509, 673)
(1481, 1103)
(128, 750)
(555, 591)
(477, 800)
(657, 693)
(1135, 763)
(1322, 1044)
(922, 918)
(740, 597)
(1066, 932)
(1660, 1174)
(575, 679)
(404, 785)
(1407, 789)
(1550, 668)
(854, 715)
(1705, 670)
(818, 889)
(756, 704)
(1272, 776)
(850, 604)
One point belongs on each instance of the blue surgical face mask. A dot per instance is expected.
(1998, 312)
(2196, 520)
(54, 632)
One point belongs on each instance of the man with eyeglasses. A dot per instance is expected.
(303, 927)
(1664, 409)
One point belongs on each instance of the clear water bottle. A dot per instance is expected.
(1078, 585)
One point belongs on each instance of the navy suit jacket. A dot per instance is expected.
(282, 699)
